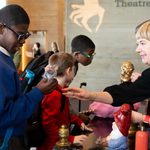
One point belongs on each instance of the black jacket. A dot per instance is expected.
(128, 92)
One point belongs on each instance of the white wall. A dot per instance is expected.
(114, 40)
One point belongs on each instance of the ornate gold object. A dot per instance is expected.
(126, 71)
(63, 143)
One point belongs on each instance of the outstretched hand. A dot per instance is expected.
(77, 93)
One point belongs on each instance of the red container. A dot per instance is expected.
(141, 140)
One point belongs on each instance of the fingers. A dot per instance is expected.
(98, 140)
(53, 81)
(86, 112)
(53, 84)
(67, 89)
(69, 92)
(80, 139)
(75, 93)
(102, 141)
(85, 128)
(46, 86)
(70, 89)
(89, 129)
(82, 126)
(47, 68)
(83, 138)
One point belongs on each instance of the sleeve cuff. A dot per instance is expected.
(146, 119)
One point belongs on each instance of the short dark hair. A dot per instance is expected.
(82, 43)
(38, 44)
(13, 15)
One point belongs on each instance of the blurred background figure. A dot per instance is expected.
(54, 47)
(17, 60)
(36, 50)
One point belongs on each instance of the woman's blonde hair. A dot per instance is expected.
(143, 30)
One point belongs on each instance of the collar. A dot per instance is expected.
(59, 86)
(3, 50)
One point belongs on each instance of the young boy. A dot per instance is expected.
(83, 50)
(15, 107)
(55, 106)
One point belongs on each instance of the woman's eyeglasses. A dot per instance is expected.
(88, 55)
(20, 36)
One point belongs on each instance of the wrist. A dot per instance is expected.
(137, 117)
(141, 118)
(93, 96)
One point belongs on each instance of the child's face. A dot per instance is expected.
(85, 58)
(14, 37)
(143, 48)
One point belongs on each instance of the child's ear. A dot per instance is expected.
(76, 54)
(68, 70)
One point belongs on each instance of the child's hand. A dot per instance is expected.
(102, 141)
(80, 139)
(87, 112)
(47, 68)
(85, 128)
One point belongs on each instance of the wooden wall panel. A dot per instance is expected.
(46, 15)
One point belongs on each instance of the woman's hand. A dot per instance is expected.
(137, 117)
(77, 93)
